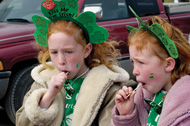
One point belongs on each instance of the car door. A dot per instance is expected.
(114, 15)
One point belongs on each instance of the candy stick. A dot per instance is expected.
(134, 90)
(67, 73)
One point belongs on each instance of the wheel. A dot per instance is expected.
(19, 84)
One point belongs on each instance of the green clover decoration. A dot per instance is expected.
(55, 10)
(158, 32)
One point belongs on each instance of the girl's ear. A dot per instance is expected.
(170, 64)
(88, 50)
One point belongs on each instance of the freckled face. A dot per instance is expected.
(147, 64)
(66, 54)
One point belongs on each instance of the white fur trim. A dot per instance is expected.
(41, 75)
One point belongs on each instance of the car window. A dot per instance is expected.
(19, 10)
(111, 9)
(118, 9)
(144, 7)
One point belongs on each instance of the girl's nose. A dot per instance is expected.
(61, 59)
(135, 71)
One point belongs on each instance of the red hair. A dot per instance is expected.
(102, 53)
(144, 40)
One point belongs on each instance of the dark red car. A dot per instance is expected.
(18, 54)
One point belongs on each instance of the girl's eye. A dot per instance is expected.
(140, 62)
(68, 51)
(53, 52)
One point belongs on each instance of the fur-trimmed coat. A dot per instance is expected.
(93, 106)
(175, 111)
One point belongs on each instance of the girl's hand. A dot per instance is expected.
(57, 82)
(55, 87)
(125, 105)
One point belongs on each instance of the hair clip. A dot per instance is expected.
(157, 107)
(158, 32)
(69, 89)
(55, 10)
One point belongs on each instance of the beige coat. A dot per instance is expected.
(93, 106)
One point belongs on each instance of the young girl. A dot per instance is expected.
(160, 55)
(78, 86)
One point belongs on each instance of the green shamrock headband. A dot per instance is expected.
(55, 10)
(158, 32)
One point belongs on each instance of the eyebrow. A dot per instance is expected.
(67, 48)
(137, 59)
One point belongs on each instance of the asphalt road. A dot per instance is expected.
(4, 120)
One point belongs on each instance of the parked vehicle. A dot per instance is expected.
(18, 54)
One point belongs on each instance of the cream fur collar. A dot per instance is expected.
(41, 75)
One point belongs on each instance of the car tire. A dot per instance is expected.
(19, 84)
